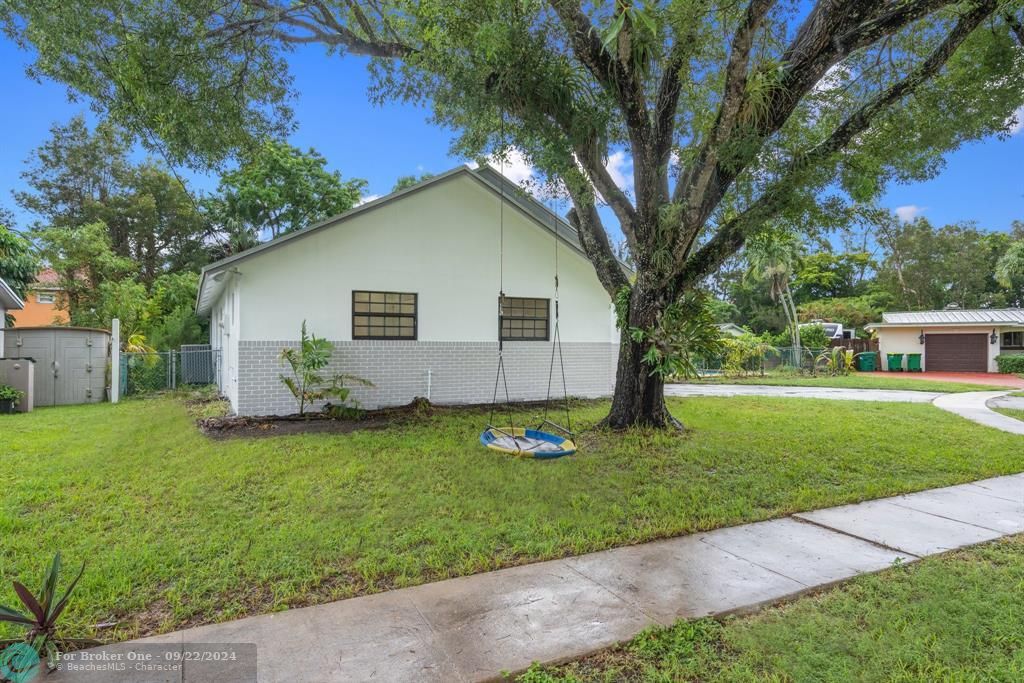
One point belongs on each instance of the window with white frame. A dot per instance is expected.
(1013, 340)
(45, 298)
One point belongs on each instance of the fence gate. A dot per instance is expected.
(193, 365)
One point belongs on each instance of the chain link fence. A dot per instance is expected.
(144, 373)
(780, 358)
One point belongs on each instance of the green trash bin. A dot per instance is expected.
(913, 362)
(895, 362)
(867, 361)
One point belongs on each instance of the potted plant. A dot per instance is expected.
(9, 399)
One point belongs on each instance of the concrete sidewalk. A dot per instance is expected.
(476, 627)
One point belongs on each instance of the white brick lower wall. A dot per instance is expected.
(459, 372)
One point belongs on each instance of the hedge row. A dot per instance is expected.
(1013, 365)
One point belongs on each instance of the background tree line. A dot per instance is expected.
(881, 264)
(127, 238)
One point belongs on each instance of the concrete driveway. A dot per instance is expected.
(830, 393)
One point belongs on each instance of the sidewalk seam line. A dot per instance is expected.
(626, 602)
(704, 540)
(992, 494)
(851, 535)
(440, 645)
(952, 519)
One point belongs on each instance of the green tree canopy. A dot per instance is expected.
(725, 135)
(80, 177)
(18, 261)
(280, 188)
(410, 180)
(929, 267)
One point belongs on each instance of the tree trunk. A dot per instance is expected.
(639, 398)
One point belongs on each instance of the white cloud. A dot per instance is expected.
(515, 166)
(620, 168)
(1015, 123)
(834, 78)
(909, 212)
(367, 198)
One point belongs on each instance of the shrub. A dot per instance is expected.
(306, 384)
(813, 337)
(9, 393)
(745, 355)
(1011, 364)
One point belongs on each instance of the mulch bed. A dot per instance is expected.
(310, 423)
(227, 426)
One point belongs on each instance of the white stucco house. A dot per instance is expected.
(406, 287)
(953, 340)
(9, 301)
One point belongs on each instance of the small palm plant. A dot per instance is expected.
(306, 384)
(44, 609)
(838, 360)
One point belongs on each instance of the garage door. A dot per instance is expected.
(956, 352)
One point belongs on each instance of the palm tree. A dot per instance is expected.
(1010, 265)
(773, 257)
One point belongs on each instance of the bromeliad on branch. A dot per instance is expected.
(798, 103)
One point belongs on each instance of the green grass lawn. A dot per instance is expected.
(953, 618)
(1015, 413)
(179, 529)
(853, 381)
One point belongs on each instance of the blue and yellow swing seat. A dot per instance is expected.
(527, 443)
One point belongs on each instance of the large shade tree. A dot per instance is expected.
(735, 114)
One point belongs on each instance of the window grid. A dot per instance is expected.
(1013, 340)
(384, 315)
(524, 319)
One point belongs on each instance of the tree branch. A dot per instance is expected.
(593, 164)
(732, 235)
(584, 217)
(812, 52)
(667, 103)
(734, 94)
(1015, 26)
(610, 72)
(322, 27)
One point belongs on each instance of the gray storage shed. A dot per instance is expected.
(71, 362)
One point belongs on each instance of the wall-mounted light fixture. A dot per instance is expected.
(993, 338)
(920, 337)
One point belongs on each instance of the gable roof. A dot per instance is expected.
(953, 316)
(211, 277)
(8, 299)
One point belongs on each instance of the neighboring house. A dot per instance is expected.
(9, 302)
(957, 340)
(406, 288)
(41, 303)
(731, 330)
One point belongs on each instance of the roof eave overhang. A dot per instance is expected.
(976, 323)
(9, 299)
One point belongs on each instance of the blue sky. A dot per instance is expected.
(983, 182)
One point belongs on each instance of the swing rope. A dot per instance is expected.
(500, 377)
(556, 345)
